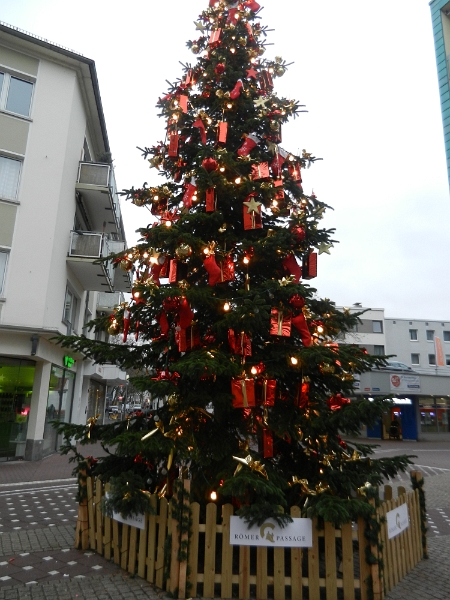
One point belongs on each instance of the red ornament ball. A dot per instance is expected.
(210, 164)
(220, 68)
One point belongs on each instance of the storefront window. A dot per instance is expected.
(59, 405)
(428, 415)
(16, 387)
(442, 411)
(96, 400)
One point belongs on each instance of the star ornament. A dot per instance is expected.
(325, 248)
(260, 102)
(199, 25)
(252, 73)
(252, 206)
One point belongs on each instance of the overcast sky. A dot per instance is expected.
(367, 73)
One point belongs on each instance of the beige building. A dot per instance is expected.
(59, 213)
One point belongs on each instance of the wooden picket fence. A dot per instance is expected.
(334, 568)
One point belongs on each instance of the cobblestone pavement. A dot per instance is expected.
(38, 561)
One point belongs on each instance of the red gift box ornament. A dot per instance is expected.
(214, 38)
(254, 6)
(336, 402)
(227, 269)
(294, 171)
(183, 103)
(266, 81)
(309, 270)
(211, 201)
(240, 343)
(251, 141)
(252, 212)
(267, 443)
(269, 388)
(222, 132)
(260, 171)
(302, 400)
(190, 194)
(173, 144)
(243, 391)
(280, 324)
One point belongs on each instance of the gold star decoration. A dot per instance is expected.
(260, 102)
(252, 206)
(199, 25)
(324, 248)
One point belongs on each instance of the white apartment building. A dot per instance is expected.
(59, 213)
(418, 374)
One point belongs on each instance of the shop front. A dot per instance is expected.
(16, 387)
(59, 406)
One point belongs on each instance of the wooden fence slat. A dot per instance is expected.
(401, 544)
(395, 551)
(386, 550)
(162, 533)
(227, 553)
(98, 516)
(364, 569)
(413, 521)
(348, 571)
(244, 572)
(82, 526)
(262, 580)
(210, 550)
(142, 554)
(124, 547)
(313, 563)
(132, 550)
(91, 513)
(193, 549)
(417, 527)
(296, 562)
(151, 545)
(409, 545)
(115, 542)
(184, 539)
(174, 564)
(387, 492)
(107, 532)
(279, 590)
(330, 561)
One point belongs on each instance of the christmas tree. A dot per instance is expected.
(241, 354)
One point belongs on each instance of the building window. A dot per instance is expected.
(446, 336)
(415, 359)
(432, 359)
(430, 335)
(70, 311)
(15, 94)
(3, 265)
(447, 360)
(378, 350)
(377, 326)
(413, 335)
(9, 177)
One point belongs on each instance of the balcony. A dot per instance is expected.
(96, 185)
(86, 247)
(106, 301)
(121, 279)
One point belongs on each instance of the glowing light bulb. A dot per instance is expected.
(320, 329)
(226, 306)
(145, 255)
(175, 117)
(222, 169)
(136, 294)
(246, 260)
(237, 180)
(232, 50)
(206, 251)
(229, 105)
(156, 198)
(274, 203)
(254, 371)
(168, 223)
(213, 496)
(294, 360)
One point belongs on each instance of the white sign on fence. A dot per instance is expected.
(297, 534)
(134, 521)
(397, 520)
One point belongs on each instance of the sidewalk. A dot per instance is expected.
(40, 563)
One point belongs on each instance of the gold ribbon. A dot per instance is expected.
(280, 322)
(244, 393)
(254, 465)
(286, 280)
(159, 427)
(92, 421)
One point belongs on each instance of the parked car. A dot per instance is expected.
(395, 365)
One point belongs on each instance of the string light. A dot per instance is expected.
(237, 180)
(213, 496)
(226, 306)
(294, 360)
(246, 260)
(254, 371)
(168, 223)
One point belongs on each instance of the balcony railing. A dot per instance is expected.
(109, 300)
(100, 175)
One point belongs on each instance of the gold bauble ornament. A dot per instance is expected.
(195, 48)
(279, 71)
(183, 251)
(125, 264)
(242, 41)
(173, 400)
(114, 328)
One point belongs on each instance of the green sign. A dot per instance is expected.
(69, 362)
